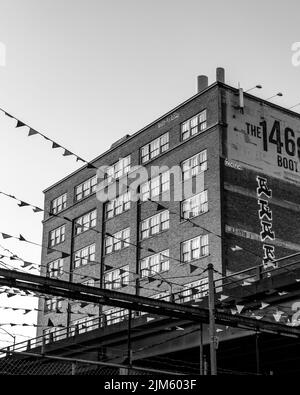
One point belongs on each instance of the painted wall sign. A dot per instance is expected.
(170, 118)
(264, 194)
(264, 139)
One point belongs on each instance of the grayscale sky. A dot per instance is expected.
(87, 72)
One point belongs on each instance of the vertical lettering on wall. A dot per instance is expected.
(264, 194)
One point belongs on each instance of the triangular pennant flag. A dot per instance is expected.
(223, 297)
(21, 238)
(193, 268)
(107, 267)
(55, 145)
(90, 166)
(108, 234)
(50, 323)
(26, 264)
(219, 330)
(150, 319)
(150, 250)
(236, 248)
(195, 291)
(233, 312)
(67, 153)
(26, 325)
(12, 325)
(160, 207)
(80, 159)
(8, 115)
(20, 124)
(27, 311)
(32, 132)
(83, 305)
(13, 258)
(277, 316)
(6, 236)
(65, 255)
(122, 271)
(151, 279)
(23, 204)
(239, 308)
(264, 305)
(246, 284)
(37, 210)
(10, 295)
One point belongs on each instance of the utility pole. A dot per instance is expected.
(212, 328)
(201, 351)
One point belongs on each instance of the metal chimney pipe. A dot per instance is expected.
(220, 73)
(202, 82)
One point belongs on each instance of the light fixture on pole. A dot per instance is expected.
(13, 336)
(279, 94)
(255, 87)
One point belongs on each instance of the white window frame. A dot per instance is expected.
(86, 188)
(53, 305)
(118, 205)
(117, 241)
(200, 285)
(195, 205)
(154, 225)
(115, 315)
(83, 325)
(86, 222)
(84, 256)
(194, 165)
(195, 249)
(55, 268)
(114, 279)
(118, 169)
(156, 263)
(155, 148)
(195, 125)
(156, 186)
(59, 204)
(57, 236)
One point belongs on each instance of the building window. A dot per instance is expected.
(117, 278)
(154, 148)
(53, 305)
(194, 249)
(194, 125)
(89, 283)
(118, 169)
(86, 188)
(156, 186)
(195, 290)
(84, 256)
(83, 325)
(156, 263)
(85, 222)
(55, 268)
(58, 204)
(195, 205)
(154, 225)
(117, 241)
(162, 296)
(194, 165)
(118, 205)
(115, 315)
(57, 236)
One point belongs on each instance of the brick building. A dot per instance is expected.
(244, 147)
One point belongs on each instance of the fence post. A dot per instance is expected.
(74, 368)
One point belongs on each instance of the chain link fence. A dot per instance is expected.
(26, 364)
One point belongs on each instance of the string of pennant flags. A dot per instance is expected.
(55, 145)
